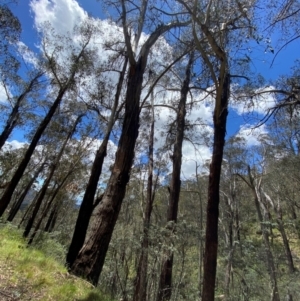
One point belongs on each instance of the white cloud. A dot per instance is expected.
(27, 55)
(192, 155)
(252, 135)
(3, 96)
(12, 145)
(63, 15)
(258, 104)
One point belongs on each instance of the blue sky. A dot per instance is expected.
(261, 61)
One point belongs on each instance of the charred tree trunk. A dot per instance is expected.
(165, 282)
(211, 238)
(15, 208)
(48, 180)
(13, 118)
(39, 201)
(6, 197)
(47, 207)
(52, 219)
(87, 205)
(90, 259)
(20, 170)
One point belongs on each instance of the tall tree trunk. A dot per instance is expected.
(13, 118)
(90, 259)
(165, 283)
(199, 193)
(140, 292)
(15, 208)
(6, 197)
(87, 205)
(47, 207)
(48, 180)
(281, 229)
(52, 219)
(211, 238)
(255, 189)
(286, 244)
(229, 215)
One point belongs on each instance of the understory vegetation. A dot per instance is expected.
(38, 273)
(143, 152)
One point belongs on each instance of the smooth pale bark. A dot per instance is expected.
(255, 189)
(90, 259)
(229, 216)
(87, 206)
(284, 237)
(140, 292)
(165, 282)
(6, 197)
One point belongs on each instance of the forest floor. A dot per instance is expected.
(30, 274)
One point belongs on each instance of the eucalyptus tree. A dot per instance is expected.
(140, 287)
(18, 203)
(16, 103)
(165, 284)
(10, 31)
(215, 27)
(90, 259)
(52, 169)
(88, 203)
(63, 74)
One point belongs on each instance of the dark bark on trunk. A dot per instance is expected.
(90, 259)
(14, 115)
(140, 293)
(46, 209)
(20, 170)
(6, 197)
(211, 238)
(52, 219)
(39, 201)
(15, 208)
(165, 282)
(286, 244)
(30, 207)
(87, 205)
(48, 180)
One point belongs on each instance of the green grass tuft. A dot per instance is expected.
(31, 274)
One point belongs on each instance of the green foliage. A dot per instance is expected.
(32, 274)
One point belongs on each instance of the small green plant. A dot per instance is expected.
(36, 274)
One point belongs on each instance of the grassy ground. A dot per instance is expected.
(31, 274)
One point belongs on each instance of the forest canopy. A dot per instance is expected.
(158, 142)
